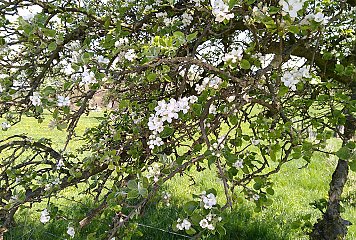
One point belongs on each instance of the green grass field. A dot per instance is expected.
(294, 190)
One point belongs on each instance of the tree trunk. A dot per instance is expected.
(331, 226)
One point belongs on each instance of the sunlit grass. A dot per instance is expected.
(294, 189)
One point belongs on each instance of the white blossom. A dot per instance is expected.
(231, 98)
(121, 42)
(211, 226)
(203, 223)
(45, 216)
(154, 141)
(255, 141)
(102, 59)
(209, 200)
(130, 55)
(60, 164)
(71, 231)
(29, 13)
(291, 7)
(233, 56)
(256, 197)
(88, 77)
(238, 164)
(62, 101)
(292, 78)
(166, 198)
(5, 125)
(213, 82)
(221, 10)
(212, 109)
(35, 99)
(154, 171)
(166, 112)
(319, 17)
(186, 19)
(185, 224)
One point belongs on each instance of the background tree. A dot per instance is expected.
(185, 77)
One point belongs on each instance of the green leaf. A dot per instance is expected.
(233, 119)
(2, 41)
(132, 184)
(197, 109)
(343, 153)
(351, 145)
(49, 32)
(195, 218)
(167, 131)
(294, 29)
(221, 230)
(245, 64)
(132, 194)
(191, 231)
(270, 191)
(257, 186)
(211, 160)
(189, 207)
(353, 165)
(52, 46)
(192, 36)
(174, 226)
(339, 68)
(180, 37)
(306, 217)
(151, 77)
(62, 126)
(143, 192)
(212, 190)
(296, 224)
(282, 90)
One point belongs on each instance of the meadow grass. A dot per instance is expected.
(294, 189)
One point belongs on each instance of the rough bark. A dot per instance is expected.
(331, 226)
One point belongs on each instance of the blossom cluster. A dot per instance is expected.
(291, 7)
(233, 56)
(166, 112)
(88, 77)
(49, 186)
(62, 101)
(221, 10)
(5, 125)
(292, 78)
(130, 55)
(45, 217)
(166, 20)
(71, 231)
(186, 19)
(208, 200)
(317, 17)
(183, 224)
(121, 42)
(35, 99)
(213, 82)
(216, 147)
(238, 163)
(207, 222)
(166, 198)
(153, 171)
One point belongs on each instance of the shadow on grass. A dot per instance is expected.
(240, 223)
